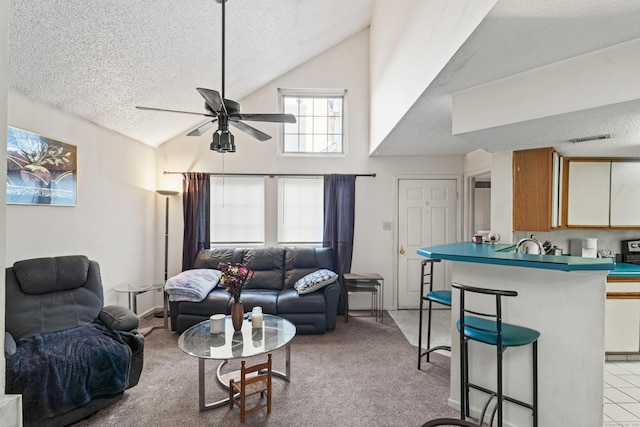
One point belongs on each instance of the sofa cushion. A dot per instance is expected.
(289, 301)
(192, 285)
(265, 298)
(216, 302)
(300, 261)
(268, 268)
(210, 258)
(314, 281)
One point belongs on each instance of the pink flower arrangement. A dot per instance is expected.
(234, 278)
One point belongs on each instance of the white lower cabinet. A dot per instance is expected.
(622, 318)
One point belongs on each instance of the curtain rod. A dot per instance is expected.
(271, 175)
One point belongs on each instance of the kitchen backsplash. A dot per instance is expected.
(607, 239)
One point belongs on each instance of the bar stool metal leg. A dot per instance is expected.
(441, 297)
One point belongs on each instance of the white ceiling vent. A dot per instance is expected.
(591, 138)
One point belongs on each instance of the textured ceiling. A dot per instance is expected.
(516, 36)
(98, 59)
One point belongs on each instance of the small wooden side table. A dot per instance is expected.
(365, 282)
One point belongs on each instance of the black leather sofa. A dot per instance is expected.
(276, 270)
(66, 354)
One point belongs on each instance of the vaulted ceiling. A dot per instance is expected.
(98, 59)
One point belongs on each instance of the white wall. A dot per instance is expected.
(476, 163)
(114, 221)
(344, 67)
(412, 41)
(502, 195)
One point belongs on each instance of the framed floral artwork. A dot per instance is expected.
(40, 170)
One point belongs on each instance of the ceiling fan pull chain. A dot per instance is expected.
(223, 156)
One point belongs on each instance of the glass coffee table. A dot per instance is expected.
(198, 341)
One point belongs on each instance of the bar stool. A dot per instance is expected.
(441, 297)
(478, 327)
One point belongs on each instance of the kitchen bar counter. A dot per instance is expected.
(623, 269)
(560, 296)
(504, 254)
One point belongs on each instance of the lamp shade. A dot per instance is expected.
(167, 192)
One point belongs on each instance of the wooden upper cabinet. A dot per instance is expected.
(533, 193)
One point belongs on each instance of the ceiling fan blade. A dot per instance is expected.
(276, 118)
(259, 135)
(173, 111)
(202, 129)
(212, 98)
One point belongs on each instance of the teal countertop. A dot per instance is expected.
(501, 254)
(623, 269)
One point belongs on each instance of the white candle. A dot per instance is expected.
(217, 323)
(256, 317)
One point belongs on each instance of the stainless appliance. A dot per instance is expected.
(630, 251)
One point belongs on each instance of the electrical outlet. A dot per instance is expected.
(387, 225)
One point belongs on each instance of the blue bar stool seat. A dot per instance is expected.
(487, 327)
(440, 297)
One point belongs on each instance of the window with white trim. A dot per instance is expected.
(320, 127)
(237, 211)
(246, 212)
(300, 210)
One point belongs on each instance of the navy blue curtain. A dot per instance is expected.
(339, 216)
(196, 210)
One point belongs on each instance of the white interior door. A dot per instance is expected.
(426, 217)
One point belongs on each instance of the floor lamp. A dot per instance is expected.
(166, 193)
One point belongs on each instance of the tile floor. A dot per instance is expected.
(621, 378)
(622, 393)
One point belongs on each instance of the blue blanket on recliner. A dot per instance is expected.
(60, 371)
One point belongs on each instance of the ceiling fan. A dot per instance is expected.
(227, 112)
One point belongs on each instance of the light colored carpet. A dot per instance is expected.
(362, 374)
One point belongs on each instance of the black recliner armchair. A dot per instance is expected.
(66, 354)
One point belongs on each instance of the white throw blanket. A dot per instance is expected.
(192, 285)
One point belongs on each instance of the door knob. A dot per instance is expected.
(401, 250)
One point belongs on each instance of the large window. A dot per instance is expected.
(237, 211)
(300, 210)
(257, 211)
(320, 121)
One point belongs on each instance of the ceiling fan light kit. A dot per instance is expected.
(227, 112)
(223, 142)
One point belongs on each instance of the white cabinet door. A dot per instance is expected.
(625, 193)
(622, 317)
(588, 193)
